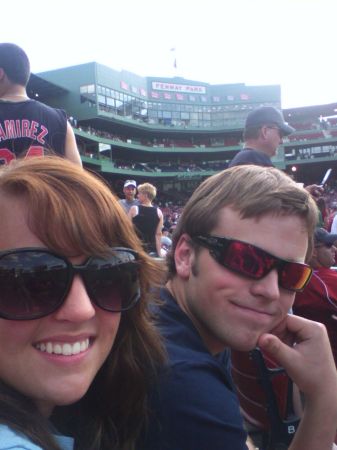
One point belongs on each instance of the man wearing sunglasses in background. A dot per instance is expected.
(263, 133)
(318, 301)
(237, 261)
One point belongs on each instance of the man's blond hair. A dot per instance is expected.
(253, 191)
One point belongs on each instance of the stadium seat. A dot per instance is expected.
(265, 396)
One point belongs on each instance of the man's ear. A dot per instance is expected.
(263, 132)
(184, 256)
(2, 74)
(314, 257)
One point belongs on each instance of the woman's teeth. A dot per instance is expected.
(65, 349)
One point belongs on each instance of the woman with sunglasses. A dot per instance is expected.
(77, 347)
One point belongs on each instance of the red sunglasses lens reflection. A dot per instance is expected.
(295, 276)
(248, 260)
(255, 263)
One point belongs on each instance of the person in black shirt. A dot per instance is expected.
(28, 127)
(148, 219)
(263, 133)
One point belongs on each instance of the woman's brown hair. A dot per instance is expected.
(73, 212)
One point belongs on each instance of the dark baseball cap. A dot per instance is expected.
(268, 115)
(324, 237)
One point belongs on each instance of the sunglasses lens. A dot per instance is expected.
(253, 262)
(247, 260)
(112, 286)
(256, 263)
(32, 283)
(294, 276)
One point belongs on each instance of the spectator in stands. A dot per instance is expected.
(264, 129)
(322, 209)
(334, 225)
(77, 349)
(30, 127)
(331, 217)
(148, 219)
(318, 301)
(129, 190)
(323, 122)
(166, 241)
(167, 220)
(237, 259)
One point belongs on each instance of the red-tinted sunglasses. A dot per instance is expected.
(253, 262)
(35, 282)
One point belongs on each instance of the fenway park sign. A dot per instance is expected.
(173, 87)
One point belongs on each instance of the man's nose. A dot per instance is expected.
(267, 286)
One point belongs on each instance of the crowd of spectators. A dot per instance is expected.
(312, 152)
(329, 205)
(304, 131)
(187, 166)
(156, 142)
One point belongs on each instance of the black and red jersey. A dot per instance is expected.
(30, 128)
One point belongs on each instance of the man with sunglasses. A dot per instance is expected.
(237, 261)
(264, 129)
(318, 301)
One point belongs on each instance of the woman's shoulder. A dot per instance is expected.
(12, 440)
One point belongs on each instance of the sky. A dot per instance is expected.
(256, 42)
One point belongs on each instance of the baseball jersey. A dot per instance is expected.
(30, 128)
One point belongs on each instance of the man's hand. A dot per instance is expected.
(302, 347)
(315, 190)
(250, 444)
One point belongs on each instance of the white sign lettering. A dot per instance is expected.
(173, 87)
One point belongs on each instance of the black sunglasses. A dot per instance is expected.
(35, 282)
(253, 262)
(280, 132)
